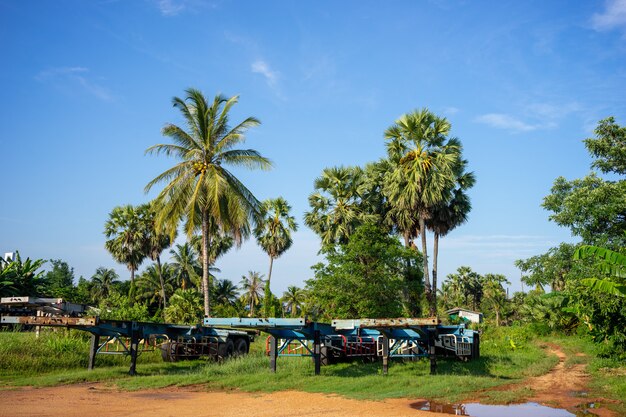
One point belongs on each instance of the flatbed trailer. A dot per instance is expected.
(359, 338)
(177, 342)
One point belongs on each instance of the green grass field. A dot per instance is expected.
(60, 357)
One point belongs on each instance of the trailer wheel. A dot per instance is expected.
(241, 347)
(166, 352)
(326, 357)
(224, 350)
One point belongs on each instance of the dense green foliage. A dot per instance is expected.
(363, 278)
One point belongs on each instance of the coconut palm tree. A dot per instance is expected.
(150, 287)
(186, 266)
(103, 282)
(252, 286)
(423, 175)
(293, 299)
(200, 189)
(125, 233)
(156, 242)
(273, 232)
(225, 292)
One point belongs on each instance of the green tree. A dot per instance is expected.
(186, 266)
(225, 292)
(185, 307)
(155, 243)
(592, 207)
(608, 147)
(293, 299)
(200, 189)
(60, 280)
(552, 268)
(448, 215)
(103, 283)
(336, 205)
(125, 233)
(495, 293)
(252, 285)
(363, 278)
(423, 175)
(273, 233)
(465, 288)
(155, 284)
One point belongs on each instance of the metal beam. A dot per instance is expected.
(93, 350)
(384, 323)
(50, 321)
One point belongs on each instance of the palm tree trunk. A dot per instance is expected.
(158, 261)
(497, 317)
(205, 262)
(433, 305)
(425, 255)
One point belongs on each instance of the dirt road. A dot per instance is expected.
(561, 387)
(86, 400)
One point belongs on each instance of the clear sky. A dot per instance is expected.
(86, 86)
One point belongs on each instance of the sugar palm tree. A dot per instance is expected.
(125, 233)
(335, 205)
(103, 282)
(448, 215)
(252, 285)
(423, 175)
(495, 293)
(293, 299)
(273, 232)
(200, 189)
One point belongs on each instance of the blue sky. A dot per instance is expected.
(87, 86)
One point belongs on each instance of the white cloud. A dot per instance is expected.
(504, 121)
(612, 17)
(72, 77)
(171, 7)
(263, 68)
(450, 110)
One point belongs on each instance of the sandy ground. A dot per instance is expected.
(86, 400)
(561, 387)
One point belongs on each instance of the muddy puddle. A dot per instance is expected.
(512, 410)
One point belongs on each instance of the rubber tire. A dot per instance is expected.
(224, 350)
(241, 347)
(167, 350)
(325, 356)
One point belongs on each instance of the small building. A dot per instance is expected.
(465, 314)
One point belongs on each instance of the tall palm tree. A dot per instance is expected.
(495, 292)
(149, 286)
(273, 231)
(156, 242)
(225, 292)
(200, 189)
(448, 215)
(424, 169)
(186, 265)
(335, 204)
(103, 282)
(252, 286)
(293, 299)
(125, 232)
